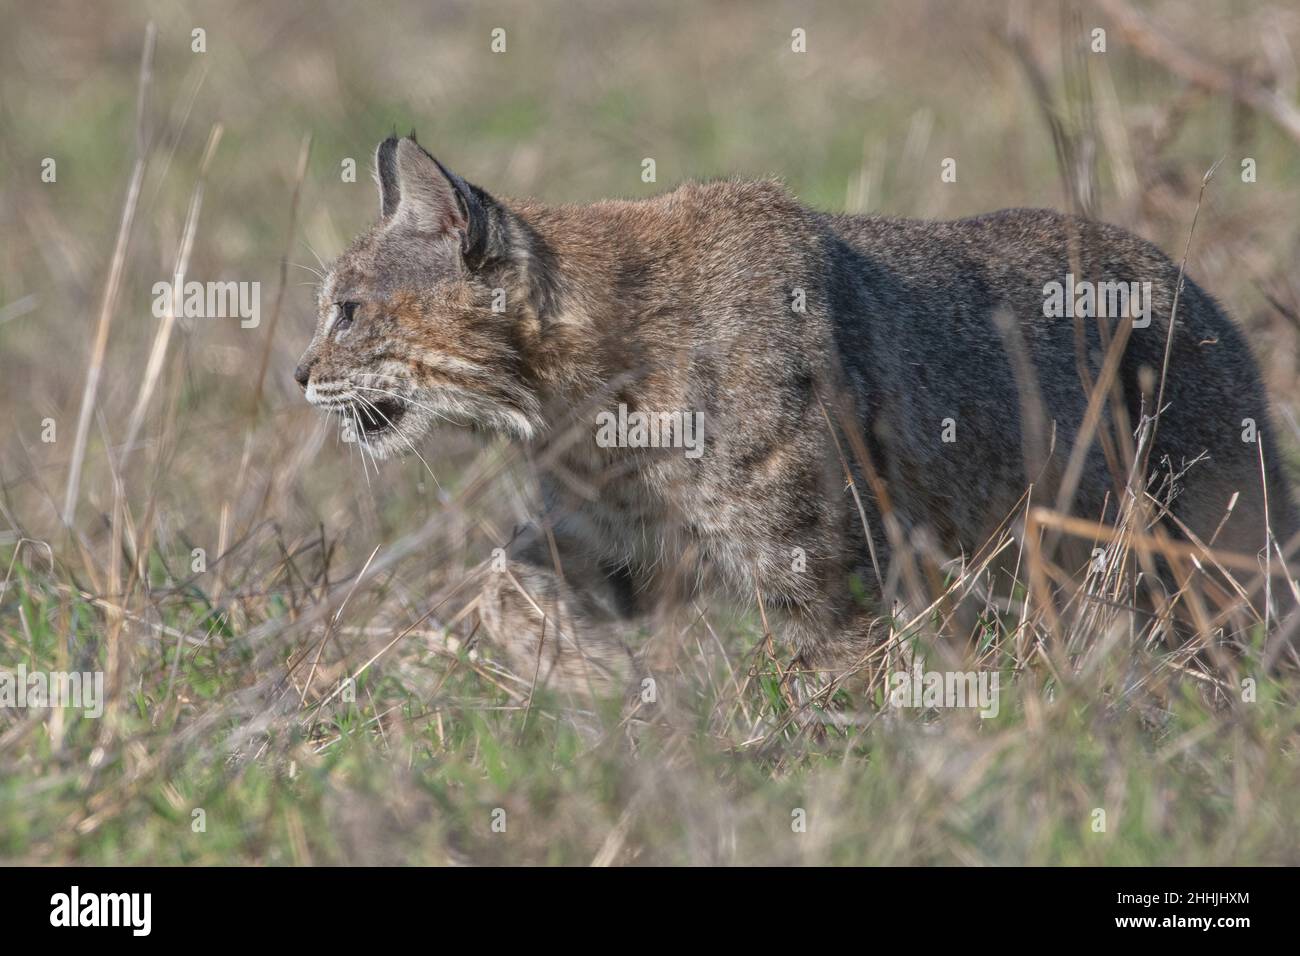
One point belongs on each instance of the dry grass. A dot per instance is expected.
(225, 685)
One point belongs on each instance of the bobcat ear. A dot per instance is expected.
(390, 192)
(439, 201)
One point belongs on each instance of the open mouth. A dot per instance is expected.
(380, 415)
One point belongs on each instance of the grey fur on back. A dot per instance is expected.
(919, 343)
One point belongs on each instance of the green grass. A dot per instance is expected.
(1187, 783)
(207, 670)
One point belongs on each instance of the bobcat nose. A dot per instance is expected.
(302, 374)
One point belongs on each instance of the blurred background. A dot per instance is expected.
(314, 562)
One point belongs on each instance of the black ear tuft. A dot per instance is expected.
(390, 191)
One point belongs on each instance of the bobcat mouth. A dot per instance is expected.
(380, 415)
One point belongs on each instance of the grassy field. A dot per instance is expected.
(230, 734)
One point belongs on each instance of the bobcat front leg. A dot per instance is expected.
(558, 627)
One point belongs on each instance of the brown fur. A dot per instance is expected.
(683, 303)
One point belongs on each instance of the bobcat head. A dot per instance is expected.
(423, 318)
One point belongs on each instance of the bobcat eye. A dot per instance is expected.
(346, 310)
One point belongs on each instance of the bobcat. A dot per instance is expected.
(859, 383)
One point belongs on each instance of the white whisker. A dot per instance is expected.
(398, 432)
(323, 266)
(410, 401)
(316, 272)
(361, 441)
